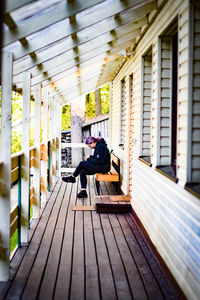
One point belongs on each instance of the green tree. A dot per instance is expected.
(104, 93)
(90, 110)
(66, 122)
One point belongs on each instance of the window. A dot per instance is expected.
(168, 102)
(122, 112)
(145, 149)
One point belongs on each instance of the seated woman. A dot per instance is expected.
(99, 162)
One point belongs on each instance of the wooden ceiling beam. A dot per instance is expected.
(100, 41)
(39, 22)
(11, 5)
(61, 32)
(88, 56)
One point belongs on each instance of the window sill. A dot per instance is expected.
(193, 188)
(146, 160)
(168, 171)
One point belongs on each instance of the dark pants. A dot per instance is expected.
(86, 168)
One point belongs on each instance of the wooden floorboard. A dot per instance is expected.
(85, 255)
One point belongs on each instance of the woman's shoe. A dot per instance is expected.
(69, 179)
(82, 194)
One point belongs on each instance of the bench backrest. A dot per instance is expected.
(115, 162)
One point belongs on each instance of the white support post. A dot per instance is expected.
(51, 141)
(44, 150)
(36, 175)
(25, 184)
(59, 136)
(54, 142)
(5, 167)
(58, 129)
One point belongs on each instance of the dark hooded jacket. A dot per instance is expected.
(101, 155)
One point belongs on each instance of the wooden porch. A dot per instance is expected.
(85, 255)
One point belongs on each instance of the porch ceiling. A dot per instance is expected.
(73, 47)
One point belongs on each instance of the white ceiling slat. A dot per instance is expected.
(84, 48)
(73, 47)
(11, 5)
(119, 44)
(91, 64)
(61, 32)
(58, 13)
(59, 73)
(25, 64)
(71, 84)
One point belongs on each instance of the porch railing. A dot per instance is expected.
(48, 155)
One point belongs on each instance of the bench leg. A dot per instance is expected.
(98, 187)
(118, 188)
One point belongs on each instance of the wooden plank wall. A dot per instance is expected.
(122, 112)
(165, 102)
(196, 104)
(169, 213)
(146, 108)
(182, 118)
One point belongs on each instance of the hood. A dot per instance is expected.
(101, 141)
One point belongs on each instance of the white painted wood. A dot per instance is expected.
(64, 52)
(59, 137)
(44, 163)
(54, 124)
(39, 22)
(37, 142)
(146, 105)
(63, 71)
(11, 5)
(25, 185)
(5, 167)
(57, 66)
(90, 25)
(50, 139)
(122, 113)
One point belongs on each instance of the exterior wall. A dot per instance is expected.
(168, 212)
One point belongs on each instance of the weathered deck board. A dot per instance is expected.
(86, 255)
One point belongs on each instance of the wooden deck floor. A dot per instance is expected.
(85, 255)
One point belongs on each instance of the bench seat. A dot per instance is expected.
(112, 176)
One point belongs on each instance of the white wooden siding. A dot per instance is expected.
(182, 117)
(195, 172)
(169, 213)
(165, 102)
(123, 112)
(146, 106)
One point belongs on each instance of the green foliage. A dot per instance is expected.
(66, 121)
(104, 93)
(13, 241)
(90, 109)
(31, 212)
(16, 134)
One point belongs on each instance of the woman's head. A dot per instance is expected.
(91, 141)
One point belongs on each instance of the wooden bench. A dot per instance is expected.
(113, 176)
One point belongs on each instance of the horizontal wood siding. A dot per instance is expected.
(123, 112)
(165, 102)
(146, 107)
(182, 118)
(169, 213)
(196, 98)
(172, 221)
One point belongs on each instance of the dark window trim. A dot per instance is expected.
(167, 171)
(146, 160)
(193, 188)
